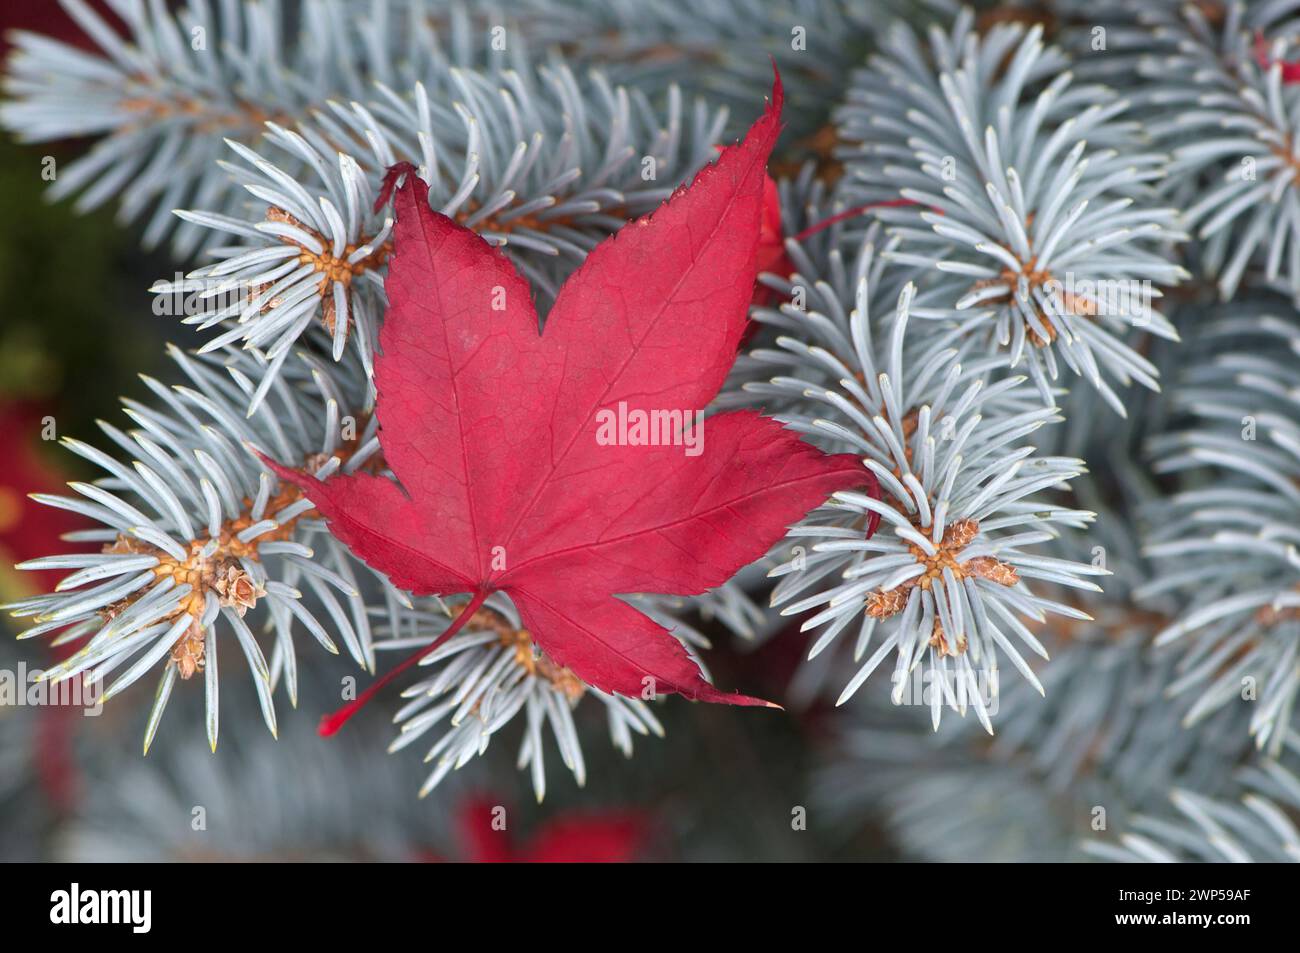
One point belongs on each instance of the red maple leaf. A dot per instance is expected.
(520, 456)
(606, 837)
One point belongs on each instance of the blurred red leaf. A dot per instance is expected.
(611, 837)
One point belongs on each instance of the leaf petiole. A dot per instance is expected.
(332, 722)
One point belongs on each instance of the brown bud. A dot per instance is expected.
(881, 605)
(188, 652)
(237, 588)
(994, 570)
(958, 535)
